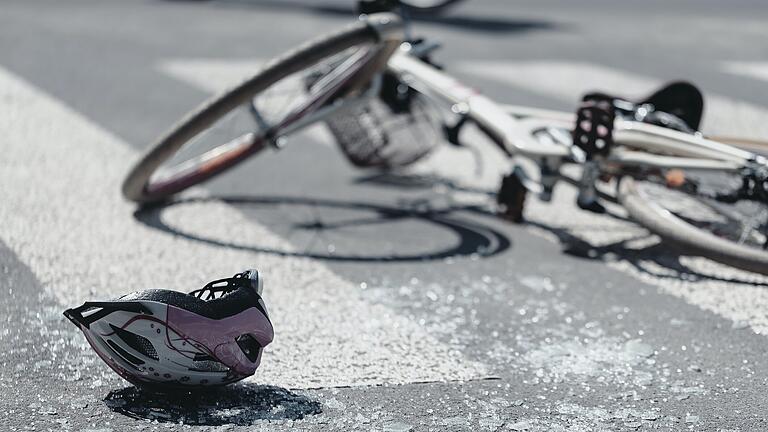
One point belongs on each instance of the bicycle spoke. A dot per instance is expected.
(739, 221)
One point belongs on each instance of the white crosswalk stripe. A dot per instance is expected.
(757, 70)
(569, 81)
(63, 216)
(212, 75)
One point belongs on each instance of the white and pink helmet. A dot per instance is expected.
(211, 336)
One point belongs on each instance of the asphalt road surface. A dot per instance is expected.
(399, 301)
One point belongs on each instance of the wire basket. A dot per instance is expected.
(375, 136)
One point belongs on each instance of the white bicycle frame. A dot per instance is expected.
(512, 127)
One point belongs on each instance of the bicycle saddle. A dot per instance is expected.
(681, 99)
(677, 105)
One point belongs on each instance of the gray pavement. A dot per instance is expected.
(424, 312)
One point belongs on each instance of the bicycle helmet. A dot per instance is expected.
(211, 336)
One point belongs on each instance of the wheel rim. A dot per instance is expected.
(743, 222)
(247, 129)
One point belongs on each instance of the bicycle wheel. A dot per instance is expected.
(682, 207)
(428, 6)
(284, 97)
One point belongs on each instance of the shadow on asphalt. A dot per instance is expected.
(448, 19)
(240, 404)
(325, 221)
(659, 260)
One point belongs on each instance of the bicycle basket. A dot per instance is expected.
(376, 135)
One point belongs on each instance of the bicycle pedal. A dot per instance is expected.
(511, 198)
(593, 132)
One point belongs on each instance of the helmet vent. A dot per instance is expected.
(125, 354)
(138, 343)
(208, 366)
(249, 345)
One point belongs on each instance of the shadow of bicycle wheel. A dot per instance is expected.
(458, 236)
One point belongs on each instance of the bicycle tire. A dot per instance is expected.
(384, 29)
(691, 239)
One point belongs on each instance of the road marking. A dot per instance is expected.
(62, 215)
(569, 81)
(757, 70)
(211, 75)
(729, 293)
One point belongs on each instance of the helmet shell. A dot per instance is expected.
(153, 343)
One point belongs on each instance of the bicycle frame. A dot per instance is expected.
(510, 127)
(639, 146)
